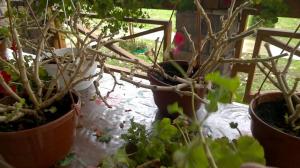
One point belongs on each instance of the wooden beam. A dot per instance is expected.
(143, 33)
(278, 32)
(113, 68)
(147, 21)
(281, 45)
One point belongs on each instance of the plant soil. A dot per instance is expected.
(27, 122)
(273, 113)
(172, 71)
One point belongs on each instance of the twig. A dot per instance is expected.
(176, 88)
(10, 66)
(253, 60)
(206, 18)
(8, 89)
(96, 84)
(23, 73)
(192, 62)
(289, 62)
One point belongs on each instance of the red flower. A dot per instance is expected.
(7, 79)
(14, 46)
(5, 76)
(179, 39)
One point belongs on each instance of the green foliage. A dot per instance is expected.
(4, 32)
(135, 134)
(43, 74)
(227, 154)
(233, 154)
(104, 138)
(52, 109)
(191, 155)
(225, 88)
(164, 130)
(118, 160)
(271, 9)
(174, 108)
(142, 146)
(20, 104)
(116, 11)
(67, 160)
(135, 47)
(165, 143)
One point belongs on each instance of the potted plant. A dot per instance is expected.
(38, 119)
(181, 144)
(275, 115)
(38, 112)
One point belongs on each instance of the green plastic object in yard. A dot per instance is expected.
(139, 51)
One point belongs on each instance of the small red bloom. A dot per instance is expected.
(5, 76)
(7, 79)
(179, 39)
(14, 46)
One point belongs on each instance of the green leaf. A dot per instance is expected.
(231, 155)
(225, 88)
(53, 109)
(121, 156)
(104, 138)
(164, 129)
(155, 149)
(192, 155)
(67, 160)
(20, 104)
(174, 108)
(230, 84)
(250, 150)
(43, 74)
(224, 153)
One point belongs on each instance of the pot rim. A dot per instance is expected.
(150, 71)
(256, 101)
(51, 123)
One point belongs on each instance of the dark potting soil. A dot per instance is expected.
(172, 71)
(27, 122)
(273, 113)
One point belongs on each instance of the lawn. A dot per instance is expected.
(161, 15)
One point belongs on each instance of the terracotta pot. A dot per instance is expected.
(164, 98)
(40, 147)
(281, 149)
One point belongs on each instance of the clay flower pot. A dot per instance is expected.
(52, 70)
(164, 98)
(42, 146)
(281, 149)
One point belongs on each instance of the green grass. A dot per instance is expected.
(287, 23)
(161, 15)
(259, 77)
(131, 46)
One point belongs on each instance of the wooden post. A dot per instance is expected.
(59, 38)
(167, 35)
